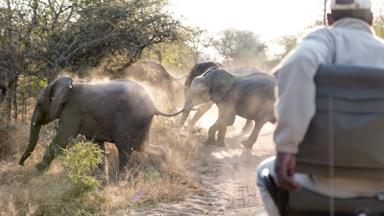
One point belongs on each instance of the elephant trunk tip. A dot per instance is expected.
(24, 157)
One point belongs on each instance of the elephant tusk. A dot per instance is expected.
(33, 123)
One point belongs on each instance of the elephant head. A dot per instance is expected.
(48, 108)
(213, 85)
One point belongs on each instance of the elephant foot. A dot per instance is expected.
(214, 143)
(41, 167)
(247, 144)
(219, 143)
(210, 142)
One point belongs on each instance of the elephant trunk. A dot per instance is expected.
(37, 118)
(187, 109)
(184, 117)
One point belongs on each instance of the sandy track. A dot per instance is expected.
(227, 175)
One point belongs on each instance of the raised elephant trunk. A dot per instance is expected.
(36, 123)
(186, 110)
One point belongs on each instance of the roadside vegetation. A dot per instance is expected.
(76, 183)
(91, 40)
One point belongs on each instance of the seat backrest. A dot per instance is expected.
(346, 136)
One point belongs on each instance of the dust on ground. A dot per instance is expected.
(227, 174)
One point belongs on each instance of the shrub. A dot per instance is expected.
(80, 162)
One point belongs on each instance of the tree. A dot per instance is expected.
(378, 25)
(103, 30)
(183, 54)
(289, 43)
(40, 38)
(172, 55)
(240, 46)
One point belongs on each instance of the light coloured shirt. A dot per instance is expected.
(347, 42)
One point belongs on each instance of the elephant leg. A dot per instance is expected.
(122, 143)
(226, 117)
(221, 135)
(65, 132)
(183, 118)
(247, 126)
(253, 137)
(212, 133)
(200, 112)
(123, 158)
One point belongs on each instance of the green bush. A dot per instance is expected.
(80, 162)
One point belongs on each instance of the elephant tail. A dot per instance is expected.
(168, 115)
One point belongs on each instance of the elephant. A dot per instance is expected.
(155, 75)
(249, 96)
(196, 71)
(119, 111)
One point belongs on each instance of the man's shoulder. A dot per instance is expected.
(379, 39)
(322, 35)
(323, 32)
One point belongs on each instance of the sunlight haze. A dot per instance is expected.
(270, 19)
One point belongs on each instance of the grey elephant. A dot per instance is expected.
(154, 74)
(196, 71)
(120, 111)
(249, 96)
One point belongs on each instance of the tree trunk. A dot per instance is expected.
(23, 107)
(8, 108)
(3, 91)
(15, 105)
(325, 12)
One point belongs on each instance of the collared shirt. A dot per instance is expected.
(347, 42)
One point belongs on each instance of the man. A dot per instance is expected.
(348, 41)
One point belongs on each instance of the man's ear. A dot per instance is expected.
(370, 19)
(330, 19)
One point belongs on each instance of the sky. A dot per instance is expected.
(270, 19)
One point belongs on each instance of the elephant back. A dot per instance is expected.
(260, 85)
(244, 71)
(148, 71)
(120, 94)
(198, 70)
(139, 97)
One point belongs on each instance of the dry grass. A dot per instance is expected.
(157, 175)
(144, 183)
(12, 140)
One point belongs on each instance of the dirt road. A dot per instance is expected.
(227, 175)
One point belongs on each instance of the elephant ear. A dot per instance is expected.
(222, 82)
(59, 94)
